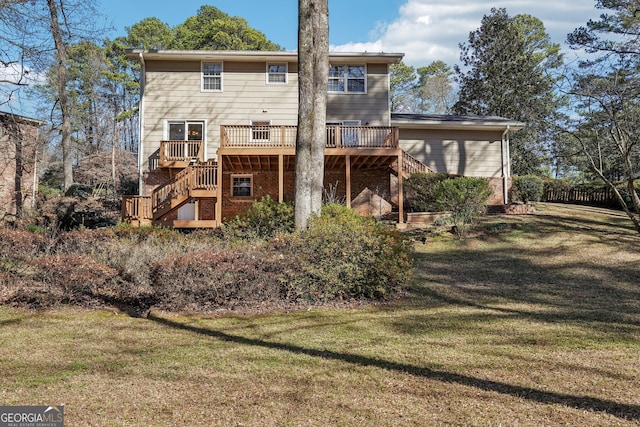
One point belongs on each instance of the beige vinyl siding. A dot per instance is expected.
(470, 152)
(173, 91)
(371, 108)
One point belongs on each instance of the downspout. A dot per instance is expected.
(389, 94)
(141, 124)
(506, 165)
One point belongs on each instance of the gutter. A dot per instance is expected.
(141, 123)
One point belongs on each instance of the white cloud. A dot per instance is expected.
(430, 30)
(12, 74)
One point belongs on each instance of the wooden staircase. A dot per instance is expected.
(196, 182)
(410, 165)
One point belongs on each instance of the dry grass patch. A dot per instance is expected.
(533, 321)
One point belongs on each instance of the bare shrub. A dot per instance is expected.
(80, 277)
(221, 279)
(20, 245)
(67, 213)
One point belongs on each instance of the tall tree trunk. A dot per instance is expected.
(313, 74)
(61, 57)
(15, 133)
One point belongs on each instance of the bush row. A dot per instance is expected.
(342, 256)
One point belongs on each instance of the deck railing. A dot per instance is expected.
(195, 177)
(204, 176)
(181, 151)
(238, 136)
(263, 136)
(412, 165)
(136, 208)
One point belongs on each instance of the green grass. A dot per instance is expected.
(533, 320)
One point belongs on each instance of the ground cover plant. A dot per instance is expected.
(532, 320)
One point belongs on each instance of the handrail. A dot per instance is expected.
(284, 136)
(203, 177)
(136, 208)
(412, 165)
(181, 151)
(179, 185)
(194, 177)
(241, 136)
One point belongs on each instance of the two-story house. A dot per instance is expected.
(218, 130)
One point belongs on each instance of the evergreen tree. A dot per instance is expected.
(507, 72)
(435, 91)
(402, 79)
(213, 29)
(605, 92)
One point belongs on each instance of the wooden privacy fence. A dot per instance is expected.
(603, 197)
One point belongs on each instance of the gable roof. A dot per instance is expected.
(450, 121)
(5, 116)
(259, 55)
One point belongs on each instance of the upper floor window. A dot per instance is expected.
(277, 73)
(212, 76)
(260, 130)
(347, 78)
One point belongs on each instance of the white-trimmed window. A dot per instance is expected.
(260, 130)
(347, 79)
(212, 76)
(190, 131)
(277, 73)
(241, 185)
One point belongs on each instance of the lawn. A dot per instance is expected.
(533, 320)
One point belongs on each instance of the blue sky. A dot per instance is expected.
(277, 19)
(425, 30)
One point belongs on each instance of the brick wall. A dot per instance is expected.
(153, 179)
(496, 185)
(266, 183)
(207, 209)
(18, 143)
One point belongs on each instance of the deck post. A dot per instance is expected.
(219, 192)
(280, 178)
(347, 165)
(400, 190)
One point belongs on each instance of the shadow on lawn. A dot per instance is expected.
(560, 280)
(629, 412)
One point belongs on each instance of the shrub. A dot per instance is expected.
(465, 198)
(341, 256)
(21, 245)
(212, 279)
(65, 279)
(264, 219)
(67, 213)
(419, 191)
(344, 255)
(528, 188)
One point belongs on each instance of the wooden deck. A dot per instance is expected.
(260, 148)
(279, 138)
(180, 154)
